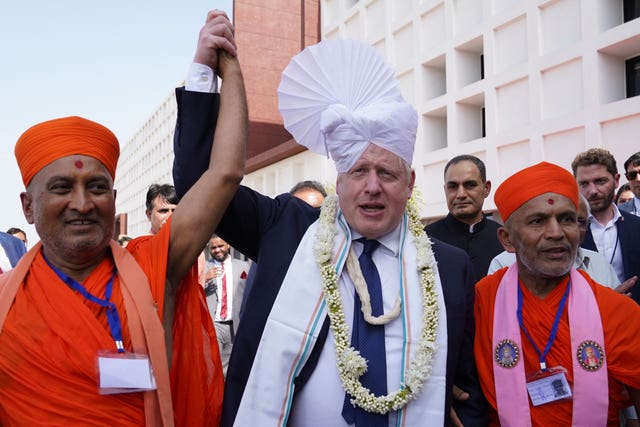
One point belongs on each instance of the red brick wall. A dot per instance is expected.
(268, 34)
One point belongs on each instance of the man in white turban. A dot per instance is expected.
(352, 287)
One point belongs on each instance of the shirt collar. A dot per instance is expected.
(463, 226)
(616, 216)
(390, 241)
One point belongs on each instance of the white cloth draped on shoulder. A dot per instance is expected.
(292, 329)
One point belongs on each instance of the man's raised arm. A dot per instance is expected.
(200, 210)
(199, 104)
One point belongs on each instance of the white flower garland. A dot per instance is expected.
(349, 362)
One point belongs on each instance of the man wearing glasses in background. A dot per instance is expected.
(632, 171)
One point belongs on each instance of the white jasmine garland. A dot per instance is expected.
(351, 365)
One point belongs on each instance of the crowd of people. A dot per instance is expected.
(350, 311)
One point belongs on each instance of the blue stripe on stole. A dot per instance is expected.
(299, 364)
(344, 251)
(319, 316)
(405, 320)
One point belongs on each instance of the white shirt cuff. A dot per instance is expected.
(201, 78)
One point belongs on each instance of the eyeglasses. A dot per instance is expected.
(583, 222)
(631, 176)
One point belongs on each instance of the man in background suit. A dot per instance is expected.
(613, 233)
(225, 279)
(466, 187)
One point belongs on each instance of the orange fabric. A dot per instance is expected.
(531, 182)
(197, 382)
(621, 323)
(48, 347)
(49, 141)
(50, 337)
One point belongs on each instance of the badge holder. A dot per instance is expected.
(121, 372)
(548, 385)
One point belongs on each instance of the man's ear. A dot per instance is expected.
(412, 180)
(147, 212)
(505, 239)
(27, 206)
(487, 189)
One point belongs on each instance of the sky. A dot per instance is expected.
(112, 62)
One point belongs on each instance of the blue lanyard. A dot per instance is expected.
(112, 313)
(554, 328)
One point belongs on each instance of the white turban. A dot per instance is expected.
(390, 125)
(339, 96)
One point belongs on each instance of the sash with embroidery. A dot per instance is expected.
(590, 386)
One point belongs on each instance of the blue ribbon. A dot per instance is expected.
(115, 326)
(554, 329)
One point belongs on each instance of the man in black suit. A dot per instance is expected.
(466, 187)
(613, 233)
(373, 187)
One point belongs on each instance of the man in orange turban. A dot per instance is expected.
(95, 334)
(540, 321)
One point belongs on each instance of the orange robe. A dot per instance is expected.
(621, 326)
(51, 334)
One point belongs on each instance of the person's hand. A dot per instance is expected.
(623, 288)
(458, 394)
(213, 273)
(217, 34)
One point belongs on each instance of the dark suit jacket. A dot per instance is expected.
(481, 245)
(629, 235)
(269, 230)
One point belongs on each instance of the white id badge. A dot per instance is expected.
(549, 388)
(124, 373)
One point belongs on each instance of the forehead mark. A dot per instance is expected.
(551, 201)
(79, 164)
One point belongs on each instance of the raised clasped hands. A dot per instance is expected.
(215, 37)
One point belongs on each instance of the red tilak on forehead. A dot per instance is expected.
(79, 164)
(551, 201)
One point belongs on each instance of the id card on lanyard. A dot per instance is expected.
(123, 372)
(547, 384)
(118, 371)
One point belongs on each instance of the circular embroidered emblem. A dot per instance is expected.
(590, 355)
(507, 353)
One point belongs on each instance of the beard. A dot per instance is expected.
(606, 203)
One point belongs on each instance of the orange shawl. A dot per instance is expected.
(51, 335)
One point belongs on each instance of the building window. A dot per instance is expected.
(632, 69)
(631, 9)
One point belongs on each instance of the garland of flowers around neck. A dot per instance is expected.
(349, 362)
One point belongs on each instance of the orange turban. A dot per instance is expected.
(49, 141)
(531, 182)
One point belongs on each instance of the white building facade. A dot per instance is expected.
(513, 82)
(145, 159)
